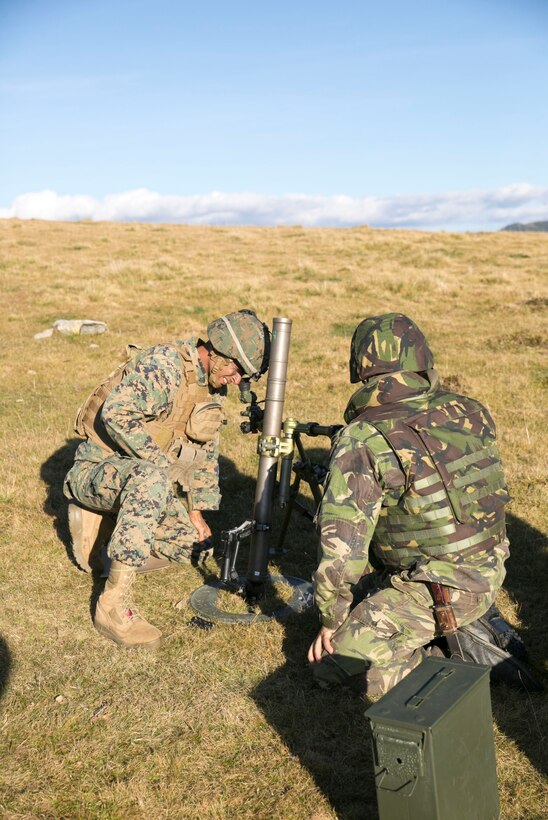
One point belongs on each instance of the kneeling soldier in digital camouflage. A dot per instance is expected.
(415, 490)
(151, 458)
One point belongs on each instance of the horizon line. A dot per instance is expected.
(453, 211)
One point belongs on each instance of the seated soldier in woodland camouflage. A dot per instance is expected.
(151, 458)
(415, 505)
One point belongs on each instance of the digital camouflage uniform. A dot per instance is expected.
(133, 481)
(151, 458)
(415, 493)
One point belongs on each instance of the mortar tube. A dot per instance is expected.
(257, 571)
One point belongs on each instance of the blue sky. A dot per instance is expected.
(399, 114)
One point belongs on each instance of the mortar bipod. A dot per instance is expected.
(230, 545)
(204, 600)
(312, 473)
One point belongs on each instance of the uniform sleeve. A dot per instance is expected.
(347, 519)
(143, 394)
(205, 494)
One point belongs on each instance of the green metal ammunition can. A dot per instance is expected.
(433, 746)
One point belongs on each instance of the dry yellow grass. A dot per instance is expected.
(226, 724)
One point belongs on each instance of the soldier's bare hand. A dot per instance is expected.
(320, 644)
(201, 551)
(201, 525)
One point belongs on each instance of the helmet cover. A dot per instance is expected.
(386, 344)
(242, 337)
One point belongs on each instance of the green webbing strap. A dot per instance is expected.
(477, 455)
(424, 535)
(428, 481)
(399, 553)
(473, 540)
(443, 549)
(458, 464)
(434, 515)
(425, 500)
(481, 492)
(427, 515)
(475, 475)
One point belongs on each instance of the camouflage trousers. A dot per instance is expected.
(149, 516)
(382, 639)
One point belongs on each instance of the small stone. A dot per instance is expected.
(92, 345)
(60, 699)
(75, 327)
(44, 334)
(89, 326)
(31, 372)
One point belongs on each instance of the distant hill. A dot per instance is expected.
(528, 226)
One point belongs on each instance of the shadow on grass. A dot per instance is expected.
(5, 666)
(325, 730)
(527, 582)
(52, 473)
(236, 505)
(521, 716)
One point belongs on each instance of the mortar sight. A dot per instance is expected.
(255, 414)
(247, 396)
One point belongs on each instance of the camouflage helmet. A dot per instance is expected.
(242, 337)
(385, 344)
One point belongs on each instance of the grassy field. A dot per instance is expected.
(226, 724)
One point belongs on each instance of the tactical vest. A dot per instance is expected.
(192, 399)
(445, 488)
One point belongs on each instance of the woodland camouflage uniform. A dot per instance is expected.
(415, 494)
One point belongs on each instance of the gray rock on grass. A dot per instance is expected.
(73, 327)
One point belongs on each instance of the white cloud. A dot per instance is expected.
(463, 210)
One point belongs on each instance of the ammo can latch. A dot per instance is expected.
(400, 753)
(400, 758)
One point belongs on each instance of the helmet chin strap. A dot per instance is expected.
(218, 363)
(251, 370)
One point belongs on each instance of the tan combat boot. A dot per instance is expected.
(116, 617)
(152, 564)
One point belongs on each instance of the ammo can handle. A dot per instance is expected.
(428, 688)
(409, 787)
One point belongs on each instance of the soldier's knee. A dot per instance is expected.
(151, 479)
(369, 623)
(372, 636)
(468, 606)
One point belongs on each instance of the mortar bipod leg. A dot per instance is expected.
(288, 513)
